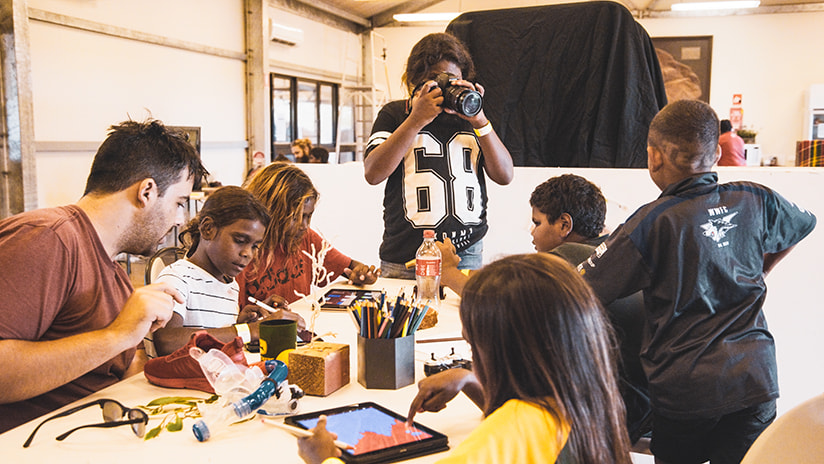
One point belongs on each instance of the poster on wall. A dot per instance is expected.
(686, 63)
(191, 133)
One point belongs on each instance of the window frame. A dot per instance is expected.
(293, 128)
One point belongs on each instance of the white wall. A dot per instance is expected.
(793, 307)
(770, 59)
(84, 81)
(323, 52)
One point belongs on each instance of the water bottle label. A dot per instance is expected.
(428, 267)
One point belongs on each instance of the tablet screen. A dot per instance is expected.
(342, 298)
(371, 428)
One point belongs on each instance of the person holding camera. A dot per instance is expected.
(432, 149)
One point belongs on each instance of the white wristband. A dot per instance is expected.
(243, 332)
(483, 130)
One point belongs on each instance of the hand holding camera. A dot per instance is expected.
(455, 96)
(462, 100)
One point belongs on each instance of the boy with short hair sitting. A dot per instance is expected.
(700, 253)
(568, 215)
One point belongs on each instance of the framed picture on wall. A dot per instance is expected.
(192, 135)
(686, 63)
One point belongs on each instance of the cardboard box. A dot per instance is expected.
(319, 368)
(429, 320)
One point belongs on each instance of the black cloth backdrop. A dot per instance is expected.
(570, 85)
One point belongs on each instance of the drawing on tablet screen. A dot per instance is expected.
(369, 430)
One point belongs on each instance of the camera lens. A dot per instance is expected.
(464, 101)
(469, 103)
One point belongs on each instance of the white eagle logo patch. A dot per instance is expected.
(716, 229)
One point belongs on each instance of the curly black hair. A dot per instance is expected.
(575, 196)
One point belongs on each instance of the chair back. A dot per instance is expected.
(796, 436)
(162, 258)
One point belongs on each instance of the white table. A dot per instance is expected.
(251, 440)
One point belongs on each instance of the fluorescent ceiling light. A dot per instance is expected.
(425, 17)
(724, 5)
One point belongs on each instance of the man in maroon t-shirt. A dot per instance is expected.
(69, 317)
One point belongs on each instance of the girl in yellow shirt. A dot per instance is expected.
(544, 371)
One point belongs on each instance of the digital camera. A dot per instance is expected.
(460, 99)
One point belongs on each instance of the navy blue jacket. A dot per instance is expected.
(697, 253)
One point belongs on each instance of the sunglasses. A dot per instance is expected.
(113, 412)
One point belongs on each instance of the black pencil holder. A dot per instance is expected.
(386, 363)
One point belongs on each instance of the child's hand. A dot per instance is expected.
(254, 313)
(426, 103)
(361, 274)
(437, 390)
(319, 446)
(254, 328)
(479, 120)
(289, 314)
(449, 256)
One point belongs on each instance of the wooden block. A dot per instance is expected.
(319, 368)
(429, 320)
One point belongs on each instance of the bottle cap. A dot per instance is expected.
(201, 430)
(429, 233)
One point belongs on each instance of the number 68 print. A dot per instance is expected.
(429, 197)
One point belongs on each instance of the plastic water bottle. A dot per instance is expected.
(214, 423)
(428, 269)
(228, 379)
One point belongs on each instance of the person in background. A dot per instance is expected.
(223, 238)
(281, 267)
(700, 254)
(69, 317)
(732, 146)
(301, 149)
(258, 161)
(543, 371)
(319, 155)
(282, 158)
(433, 160)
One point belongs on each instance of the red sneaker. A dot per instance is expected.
(180, 370)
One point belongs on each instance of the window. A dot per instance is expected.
(281, 109)
(304, 108)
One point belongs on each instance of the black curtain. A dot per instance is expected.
(571, 85)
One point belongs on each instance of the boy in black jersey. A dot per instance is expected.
(700, 253)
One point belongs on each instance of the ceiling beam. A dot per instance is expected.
(320, 5)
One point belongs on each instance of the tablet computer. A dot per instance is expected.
(342, 298)
(378, 434)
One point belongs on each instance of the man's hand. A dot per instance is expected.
(147, 309)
